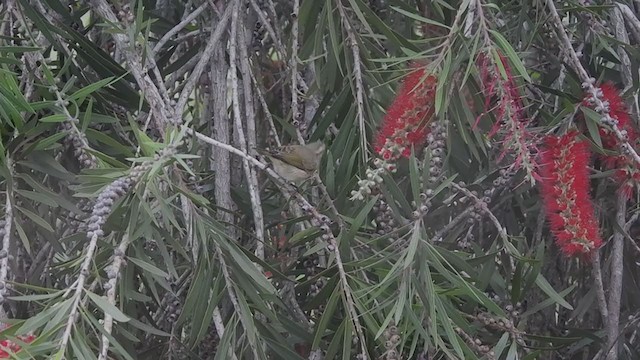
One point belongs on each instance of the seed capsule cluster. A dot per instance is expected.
(76, 142)
(207, 349)
(392, 340)
(385, 222)
(437, 150)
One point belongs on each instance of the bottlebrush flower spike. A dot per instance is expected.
(617, 110)
(627, 174)
(499, 85)
(8, 347)
(405, 124)
(565, 190)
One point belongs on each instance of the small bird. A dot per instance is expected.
(296, 163)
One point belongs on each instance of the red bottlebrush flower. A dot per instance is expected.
(565, 191)
(500, 86)
(7, 346)
(627, 175)
(617, 110)
(405, 123)
(617, 107)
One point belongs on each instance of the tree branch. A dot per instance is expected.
(615, 287)
(252, 180)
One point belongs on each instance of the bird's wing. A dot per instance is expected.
(284, 154)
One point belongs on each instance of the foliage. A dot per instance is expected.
(139, 221)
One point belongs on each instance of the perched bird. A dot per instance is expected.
(296, 163)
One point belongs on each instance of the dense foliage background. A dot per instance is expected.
(139, 222)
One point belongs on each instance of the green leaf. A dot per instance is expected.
(592, 120)
(148, 146)
(56, 118)
(89, 89)
(501, 345)
(38, 197)
(19, 49)
(544, 285)
(250, 269)
(148, 267)
(107, 307)
(440, 101)
(46, 143)
(333, 35)
(36, 219)
(321, 328)
(419, 18)
(511, 54)
(360, 218)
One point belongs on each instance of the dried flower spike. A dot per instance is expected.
(512, 122)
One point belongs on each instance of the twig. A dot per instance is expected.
(357, 72)
(252, 142)
(596, 272)
(537, 235)
(161, 111)
(221, 161)
(43, 257)
(7, 20)
(162, 88)
(623, 36)
(349, 299)
(631, 19)
(439, 235)
(295, 111)
(266, 23)
(453, 30)
(111, 285)
(632, 241)
(265, 109)
(180, 73)
(221, 27)
(330, 204)
(289, 298)
(483, 206)
(79, 286)
(181, 284)
(177, 28)
(75, 137)
(6, 238)
(273, 32)
(252, 180)
(255, 162)
(312, 103)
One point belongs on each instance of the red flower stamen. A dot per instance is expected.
(565, 190)
(627, 174)
(405, 123)
(8, 347)
(511, 120)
